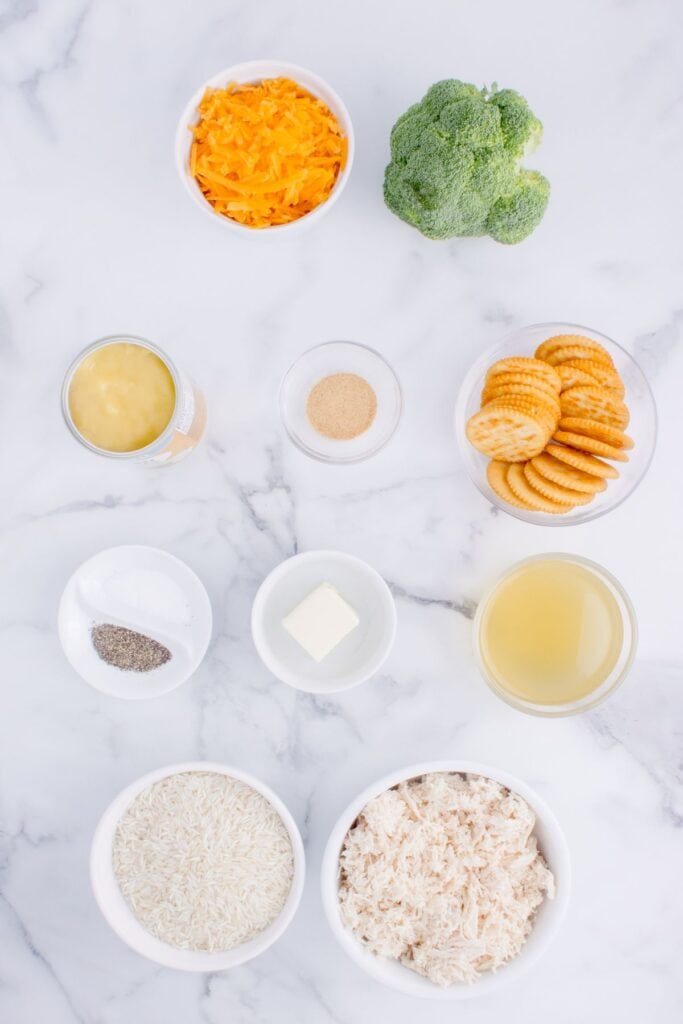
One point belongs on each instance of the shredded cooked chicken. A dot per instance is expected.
(443, 873)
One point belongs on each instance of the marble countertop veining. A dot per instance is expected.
(96, 236)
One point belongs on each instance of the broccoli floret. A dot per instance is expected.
(471, 122)
(410, 124)
(454, 167)
(522, 131)
(512, 214)
(450, 90)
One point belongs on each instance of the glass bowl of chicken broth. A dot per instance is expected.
(555, 635)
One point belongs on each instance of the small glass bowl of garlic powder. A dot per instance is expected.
(340, 402)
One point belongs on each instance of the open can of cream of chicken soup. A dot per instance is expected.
(123, 397)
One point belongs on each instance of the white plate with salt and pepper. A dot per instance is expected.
(149, 592)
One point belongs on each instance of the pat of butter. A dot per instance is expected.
(321, 621)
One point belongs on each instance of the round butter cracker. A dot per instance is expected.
(525, 492)
(607, 377)
(526, 365)
(539, 410)
(567, 476)
(507, 434)
(586, 348)
(600, 431)
(554, 491)
(581, 460)
(573, 376)
(595, 403)
(590, 445)
(496, 474)
(524, 390)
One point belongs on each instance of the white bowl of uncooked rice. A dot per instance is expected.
(198, 866)
(446, 879)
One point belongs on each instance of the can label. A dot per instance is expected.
(186, 406)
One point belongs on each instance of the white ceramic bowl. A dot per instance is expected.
(256, 71)
(358, 656)
(121, 918)
(180, 619)
(549, 918)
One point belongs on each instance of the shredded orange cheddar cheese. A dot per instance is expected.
(267, 153)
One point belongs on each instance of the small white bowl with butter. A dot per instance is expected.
(323, 621)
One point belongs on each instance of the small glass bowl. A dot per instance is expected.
(340, 357)
(642, 426)
(613, 680)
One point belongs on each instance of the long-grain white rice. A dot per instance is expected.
(203, 860)
(443, 873)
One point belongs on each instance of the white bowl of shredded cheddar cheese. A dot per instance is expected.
(455, 868)
(299, 195)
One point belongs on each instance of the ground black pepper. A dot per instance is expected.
(125, 649)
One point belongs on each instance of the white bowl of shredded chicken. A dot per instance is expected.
(198, 866)
(446, 879)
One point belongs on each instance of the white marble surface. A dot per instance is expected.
(97, 237)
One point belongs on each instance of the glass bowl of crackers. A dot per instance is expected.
(556, 424)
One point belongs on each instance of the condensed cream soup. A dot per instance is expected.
(121, 397)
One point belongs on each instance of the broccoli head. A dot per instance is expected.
(455, 164)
